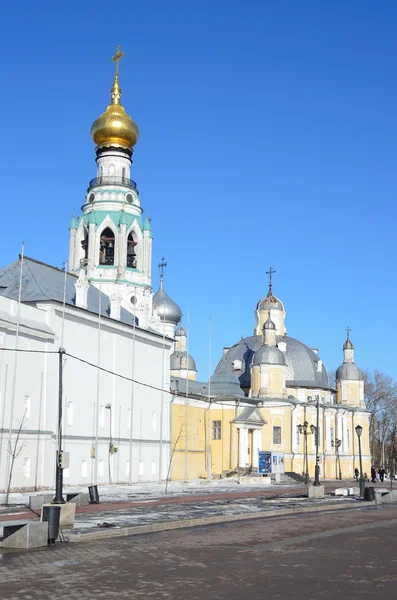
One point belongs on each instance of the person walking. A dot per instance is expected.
(381, 474)
(373, 474)
(356, 474)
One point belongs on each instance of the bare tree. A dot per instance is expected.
(381, 400)
(176, 441)
(14, 451)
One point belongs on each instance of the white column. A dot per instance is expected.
(294, 430)
(339, 431)
(256, 446)
(243, 447)
(328, 447)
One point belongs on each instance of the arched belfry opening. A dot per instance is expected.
(131, 254)
(84, 247)
(106, 248)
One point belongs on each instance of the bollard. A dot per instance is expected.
(369, 494)
(93, 493)
(51, 514)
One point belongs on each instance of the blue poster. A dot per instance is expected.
(264, 462)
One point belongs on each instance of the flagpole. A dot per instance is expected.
(132, 391)
(187, 396)
(98, 384)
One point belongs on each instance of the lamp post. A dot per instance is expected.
(303, 430)
(315, 431)
(359, 431)
(337, 445)
(109, 407)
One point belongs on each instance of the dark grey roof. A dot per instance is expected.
(182, 360)
(41, 282)
(301, 362)
(180, 332)
(268, 355)
(166, 308)
(181, 385)
(225, 383)
(349, 371)
(267, 303)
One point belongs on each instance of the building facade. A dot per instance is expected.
(264, 390)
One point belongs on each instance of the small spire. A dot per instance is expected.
(162, 266)
(348, 330)
(116, 90)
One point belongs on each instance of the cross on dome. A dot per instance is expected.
(270, 272)
(348, 330)
(162, 266)
(117, 57)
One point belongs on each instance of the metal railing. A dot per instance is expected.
(112, 180)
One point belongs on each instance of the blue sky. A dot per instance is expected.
(268, 137)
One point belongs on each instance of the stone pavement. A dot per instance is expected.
(304, 557)
(94, 521)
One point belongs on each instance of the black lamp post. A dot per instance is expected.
(337, 445)
(303, 429)
(359, 431)
(109, 407)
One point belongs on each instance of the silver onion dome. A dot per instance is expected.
(166, 309)
(349, 371)
(182, 360)
(180, 332)
(268, 355)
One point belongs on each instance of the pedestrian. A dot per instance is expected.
(366, 477)
(373, 474)
(356, 474)
(381, 474)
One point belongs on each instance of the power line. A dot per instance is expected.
(153, 387)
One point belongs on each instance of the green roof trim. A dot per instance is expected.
(118, 217)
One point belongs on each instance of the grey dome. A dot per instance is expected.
(180, 332)
(182, 360)
(269, 302)
(166, 308)
(268, 355)
(349, 371)
(348, 345)
(301, 362)
(269, 323)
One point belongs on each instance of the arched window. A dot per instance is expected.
(100, 174)
(84, 468)
(123, 174)
(106, 250)
(69, 413)
(131, 256)
(84, 246)
(111, 170)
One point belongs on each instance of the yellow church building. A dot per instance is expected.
(266, 394)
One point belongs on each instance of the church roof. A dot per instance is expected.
(42, 282)
(301, 361)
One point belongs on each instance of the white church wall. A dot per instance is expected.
(37, 378)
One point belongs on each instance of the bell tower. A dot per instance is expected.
(111, 241)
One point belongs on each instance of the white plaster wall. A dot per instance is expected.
(37, 377)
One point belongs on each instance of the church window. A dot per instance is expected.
(84, 468)
(131, 255)
(216, 430)
(140, 468)
(129, 198)
(100, 174)
(91, 198)
(153, 467)
(27, 407)
(26, 467)
(106, 248)
(298, 437)
(332, 436)
(101, 468)
(111, 170)
(127, 468)
(69, 413)
(309, 399)
(348, 438)
(237, 365)
(276, 434)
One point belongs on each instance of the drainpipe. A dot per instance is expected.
(207, 441)
(292, 440)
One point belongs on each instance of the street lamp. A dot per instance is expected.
(337, 445)
(359, 431)
(109, 407)
(303, 429)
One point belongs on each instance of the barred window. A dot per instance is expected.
(216, 430)
(276, 434)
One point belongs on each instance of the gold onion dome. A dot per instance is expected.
(114, 127)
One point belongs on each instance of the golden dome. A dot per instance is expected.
(114, 127)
